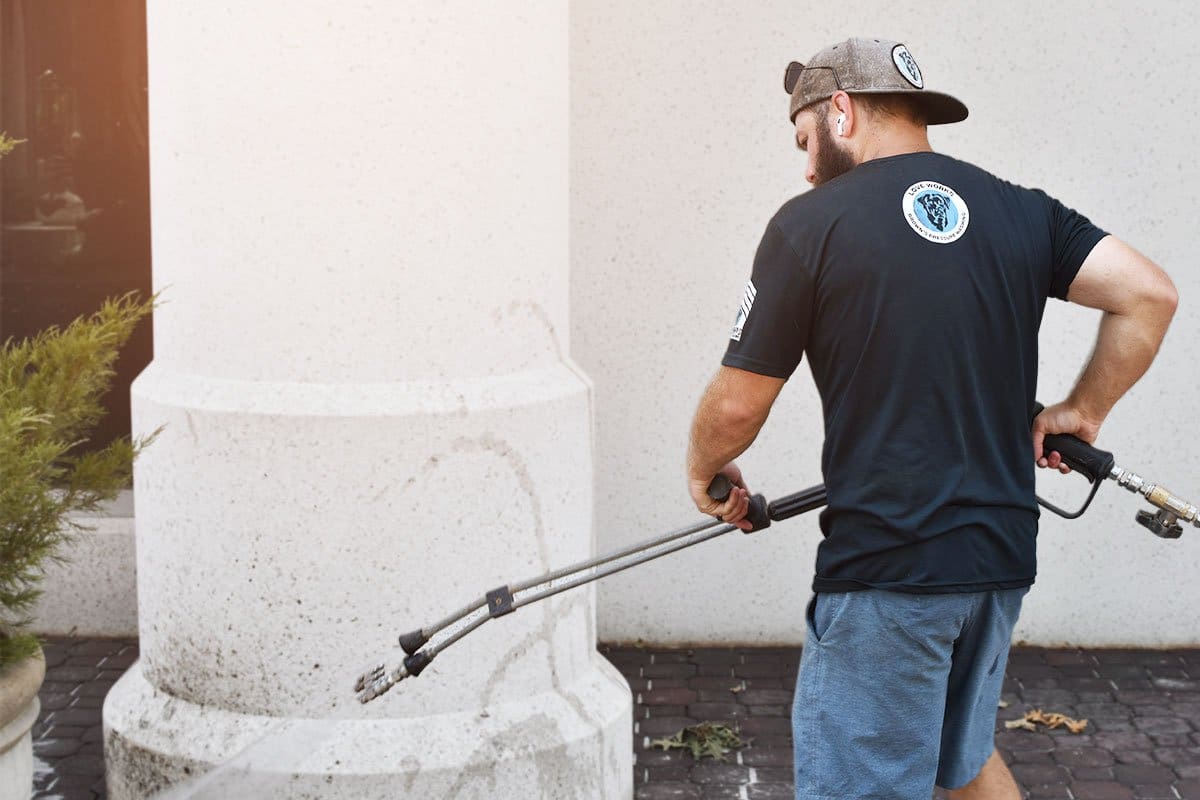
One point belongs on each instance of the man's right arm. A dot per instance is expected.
(1138, 300)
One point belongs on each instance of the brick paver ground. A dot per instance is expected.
(1143, 707)
(68, 739)
(1142, 741)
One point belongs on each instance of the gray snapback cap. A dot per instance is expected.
(867, 66)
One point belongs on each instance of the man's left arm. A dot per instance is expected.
(732, 411)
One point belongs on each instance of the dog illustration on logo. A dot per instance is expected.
(937, 208)
(914, 72)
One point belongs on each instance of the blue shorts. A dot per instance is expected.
(897, 692)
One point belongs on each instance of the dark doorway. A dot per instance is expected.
(75, 199)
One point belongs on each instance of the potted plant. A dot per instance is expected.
(51, 387)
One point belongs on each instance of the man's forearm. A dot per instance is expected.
(722, 430)
(1125, 347)
(1138, 299)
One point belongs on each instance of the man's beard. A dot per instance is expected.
(832, 160)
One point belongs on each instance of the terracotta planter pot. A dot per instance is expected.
(19, 709)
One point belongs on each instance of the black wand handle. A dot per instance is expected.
(1091, 462)
(759, 518)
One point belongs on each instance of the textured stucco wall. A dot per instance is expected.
(94, 592)
(681, 151)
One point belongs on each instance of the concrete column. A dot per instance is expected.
(371, 416)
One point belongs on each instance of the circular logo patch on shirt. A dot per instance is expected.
(907, 66)
(935, 211)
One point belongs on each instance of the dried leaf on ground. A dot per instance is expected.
(1051, 720)
(703, 739)
(1056, 720)
(1022, 723)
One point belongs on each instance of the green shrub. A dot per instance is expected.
(51, 387)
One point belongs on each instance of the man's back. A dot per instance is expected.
(916, 286)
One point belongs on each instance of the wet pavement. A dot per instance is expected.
(1142, 707)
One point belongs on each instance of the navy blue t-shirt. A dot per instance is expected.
(916, 284)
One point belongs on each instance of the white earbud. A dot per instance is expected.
(841, 125)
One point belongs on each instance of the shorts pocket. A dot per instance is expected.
(821, 613)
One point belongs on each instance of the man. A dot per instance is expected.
(915, 284)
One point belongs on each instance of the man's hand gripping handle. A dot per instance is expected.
(719, 490)
(1088, 460)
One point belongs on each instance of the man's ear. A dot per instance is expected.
(841, 108)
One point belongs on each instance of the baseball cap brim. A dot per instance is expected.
(939, 107)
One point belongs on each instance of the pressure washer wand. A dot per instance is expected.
(506, 599)
(1091, 462)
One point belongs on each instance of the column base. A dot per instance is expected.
(571, 743)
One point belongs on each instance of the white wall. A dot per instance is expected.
(681, 151)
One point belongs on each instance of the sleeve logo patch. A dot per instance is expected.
(743, 311)
(935, 211)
